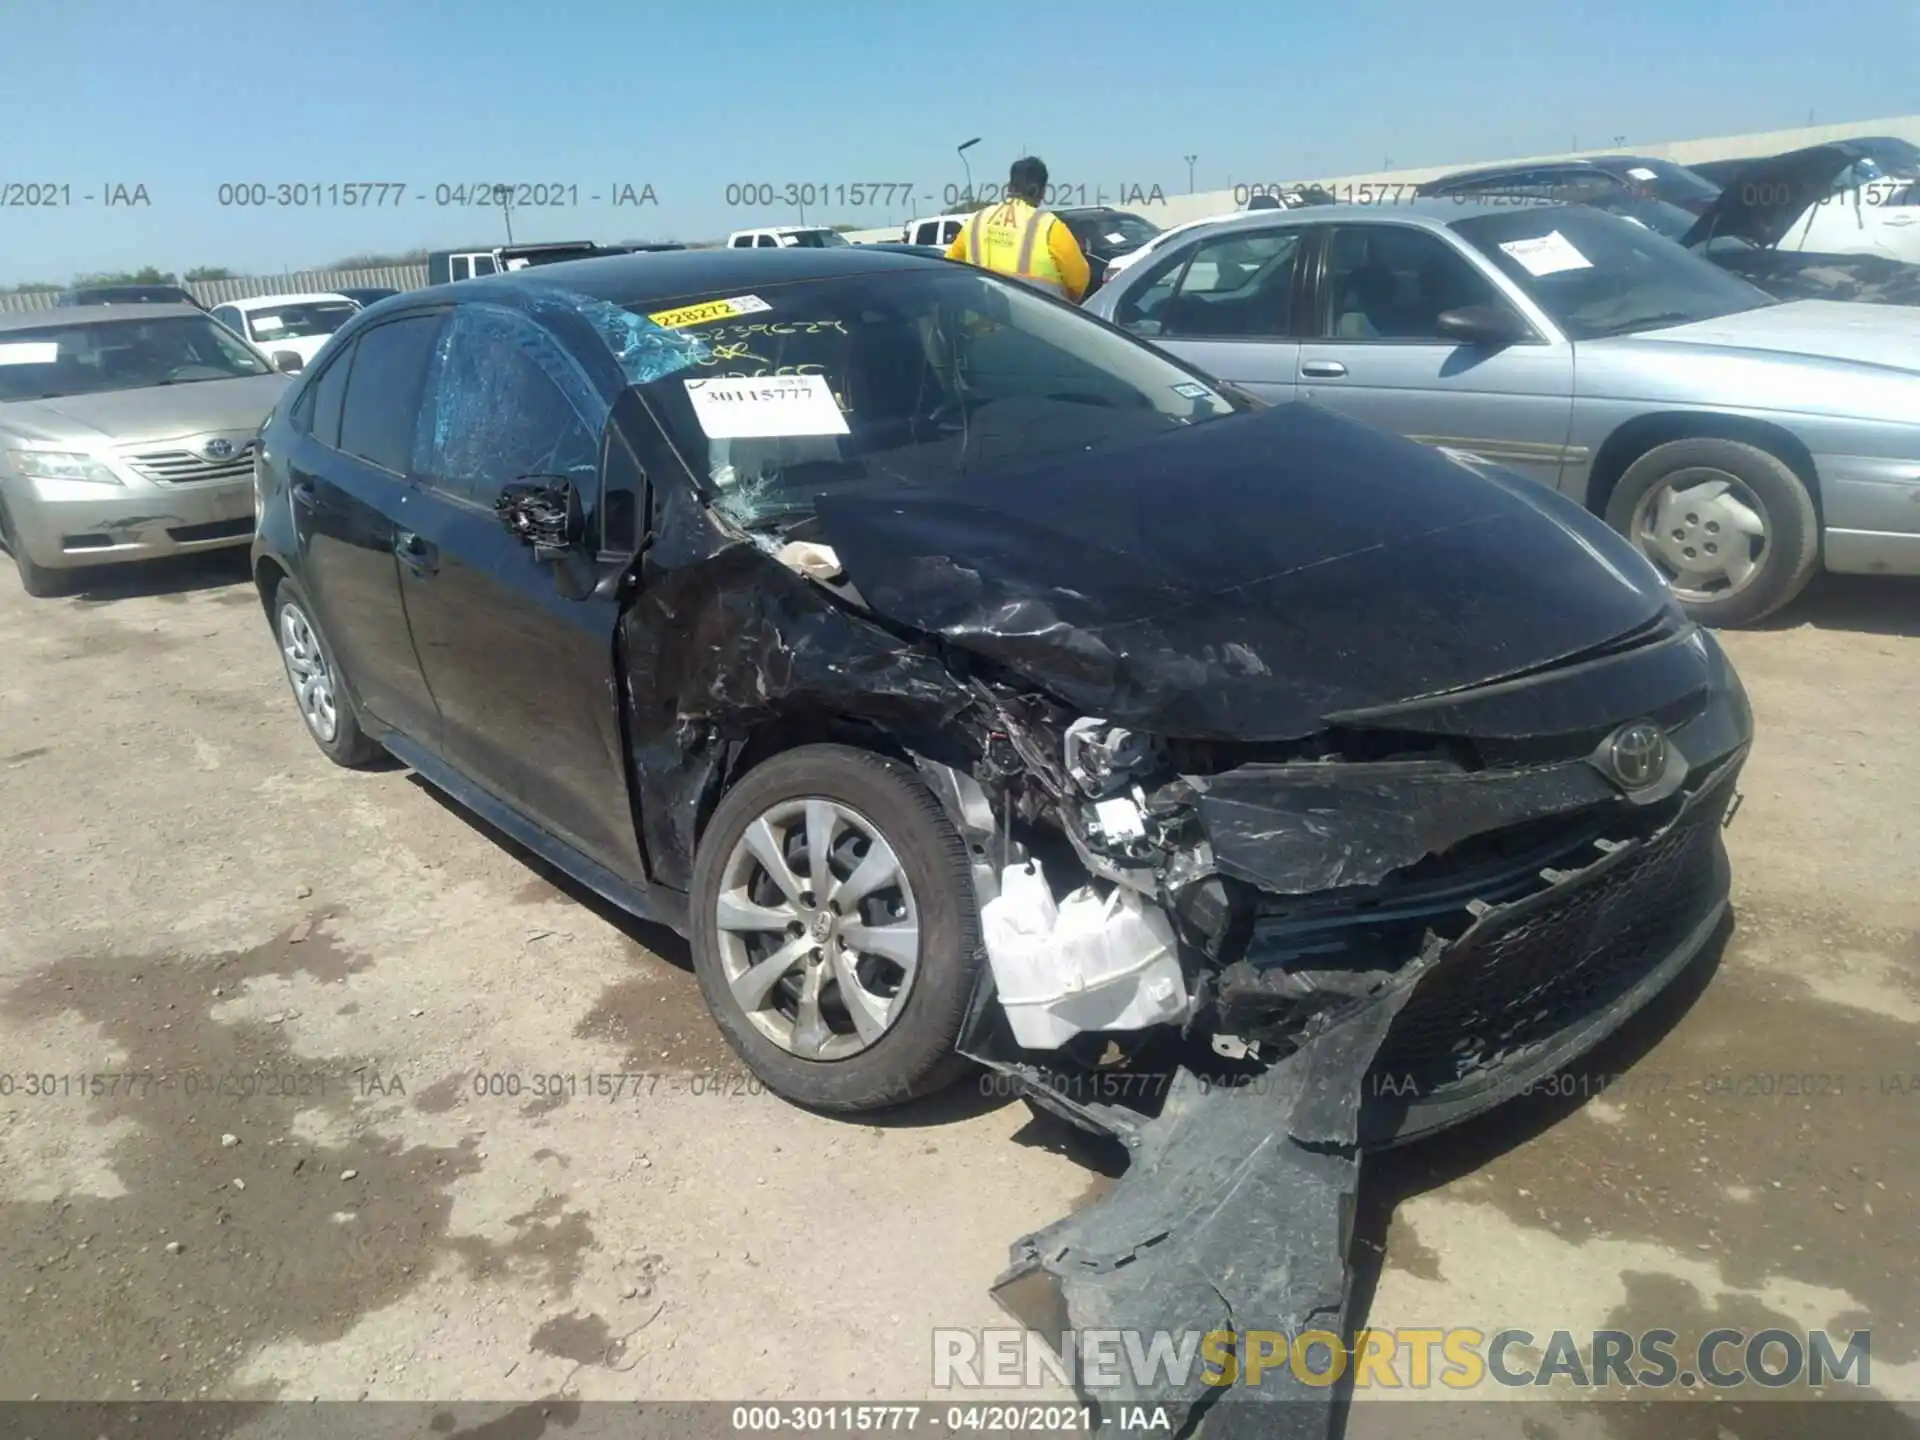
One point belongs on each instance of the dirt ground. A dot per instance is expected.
(295, 1062)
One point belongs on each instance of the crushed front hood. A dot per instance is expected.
(1246, 578)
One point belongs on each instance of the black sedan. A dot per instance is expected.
(817, 603)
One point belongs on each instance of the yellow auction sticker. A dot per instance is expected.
(709, 311)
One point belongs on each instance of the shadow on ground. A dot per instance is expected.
(1864, 604)
(173, 578)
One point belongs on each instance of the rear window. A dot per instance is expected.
(300, 321)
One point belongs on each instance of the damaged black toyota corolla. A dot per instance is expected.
(968, 680)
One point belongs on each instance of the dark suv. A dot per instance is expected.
(832, 605)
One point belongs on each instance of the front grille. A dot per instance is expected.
(1503, 993)
(212, 530)
(180, 467)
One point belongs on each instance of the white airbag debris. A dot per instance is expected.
(817, 561)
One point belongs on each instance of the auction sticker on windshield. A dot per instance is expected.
(1547, 254)
(31, 352)
(709, 311)
(766, 409)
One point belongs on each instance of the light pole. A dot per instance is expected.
(1190, 159)
(503, 196)
(962, 152)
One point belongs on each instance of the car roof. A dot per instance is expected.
(1429, 214)
(663, 275)
(1497, 172)
(305, 297)
(95, 314)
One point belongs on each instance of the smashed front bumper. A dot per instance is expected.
(1235, 1212)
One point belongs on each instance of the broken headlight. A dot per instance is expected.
(1103, 757)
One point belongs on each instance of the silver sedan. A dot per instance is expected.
(126, 432)
(1740, 442)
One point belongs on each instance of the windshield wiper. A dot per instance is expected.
(1647, 322)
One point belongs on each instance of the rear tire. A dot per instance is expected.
(1758, 482)
(872, 805)
(319, 689)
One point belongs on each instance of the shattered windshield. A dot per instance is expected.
(1598, 274)
(898, 378)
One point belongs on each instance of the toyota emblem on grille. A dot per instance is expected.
(219, 449)
(1638, 754)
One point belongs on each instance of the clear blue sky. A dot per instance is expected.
(182, 97)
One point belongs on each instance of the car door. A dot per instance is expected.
(1375, 354)
(1227, 304)
(522, 673)
(349, 497)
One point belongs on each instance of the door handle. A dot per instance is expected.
(1323, 369)
(415, 552)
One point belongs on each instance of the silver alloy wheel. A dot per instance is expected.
(818, 933)
(1705, 529)
(308, 672)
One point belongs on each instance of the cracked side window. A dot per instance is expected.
(500, 409)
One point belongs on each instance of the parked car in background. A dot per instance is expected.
(1835, 199)
(1158, 243)
(447, 266)
(365, 295)
(1740, 229)
(1896, 156)
(126, 432)
(938, 231)
(784, 237)
(288, 324)
(1739, 442)
(1104, 234)
(127, 295)
(1571, 181)
(805, 667)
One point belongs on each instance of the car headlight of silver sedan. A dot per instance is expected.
(63, 465)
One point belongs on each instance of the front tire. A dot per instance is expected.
(835, 932)
(1731, 526)
(318, 688)
(37, 580)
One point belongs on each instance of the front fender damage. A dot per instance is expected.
(1239, 924)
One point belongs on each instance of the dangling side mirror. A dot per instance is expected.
(545, 512)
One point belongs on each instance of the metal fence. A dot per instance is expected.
(217, 292)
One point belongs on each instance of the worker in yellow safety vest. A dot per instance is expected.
(1019, 239)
